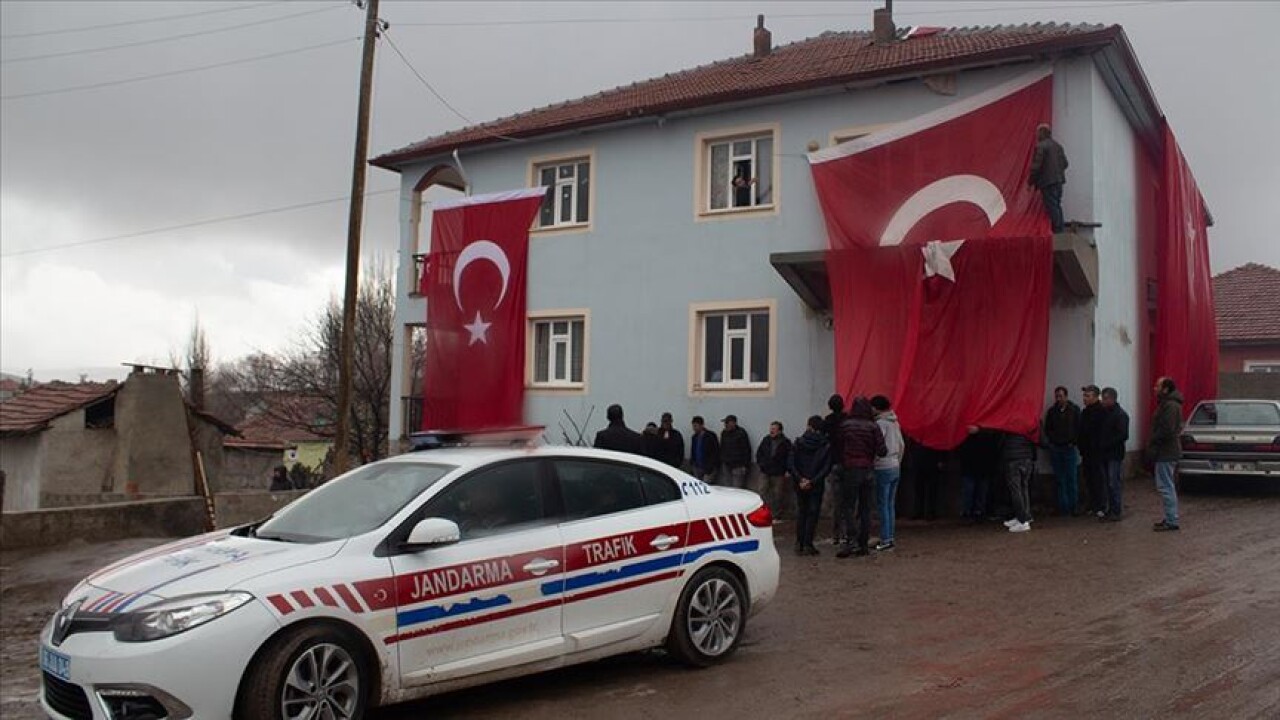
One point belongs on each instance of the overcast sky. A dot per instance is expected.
(274, 132)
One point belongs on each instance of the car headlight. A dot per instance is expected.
(170, 617)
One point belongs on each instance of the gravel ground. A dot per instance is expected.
(1074, 619)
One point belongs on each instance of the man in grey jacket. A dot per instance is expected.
(887, 470)
(1049, 174)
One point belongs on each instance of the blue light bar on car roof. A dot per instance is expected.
(518, 436)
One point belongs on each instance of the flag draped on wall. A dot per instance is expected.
(475, 287)
(1186, 324)
(941, 264)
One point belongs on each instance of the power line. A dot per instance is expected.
(143, 21)
(779, 16)
(430, 88)
(171, 73)
(184, 226)
(167, 38)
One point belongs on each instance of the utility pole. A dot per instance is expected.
(342, 439)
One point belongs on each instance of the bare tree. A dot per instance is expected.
(299, 387)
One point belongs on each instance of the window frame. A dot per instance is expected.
(562, 314)
(697, 341)
(537, 164)
(702, 173)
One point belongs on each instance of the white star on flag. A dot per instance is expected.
(479, 330)
(937, 258)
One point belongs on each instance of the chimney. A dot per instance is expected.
(196, 389)
(763, 39)
(884, 33)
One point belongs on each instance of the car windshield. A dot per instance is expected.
(353, 504)
(1257, 414)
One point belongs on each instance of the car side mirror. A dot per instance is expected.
(432, 532)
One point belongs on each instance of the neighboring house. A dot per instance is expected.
(69, 444)
(10, 388)
(657, 283)
(265, 443)
(1247, 300)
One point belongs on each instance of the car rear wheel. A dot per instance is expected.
(710, 618)
(312, 673)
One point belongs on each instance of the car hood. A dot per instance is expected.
(208, 563)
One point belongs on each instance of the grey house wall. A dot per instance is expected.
(648, 256)
(154, 448)
(21, 459)
(78, 460)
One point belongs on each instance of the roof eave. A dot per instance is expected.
(398, 159)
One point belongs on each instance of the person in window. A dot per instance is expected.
(735, 452)
(618, 436)
(743, 186)
(774, 458)
(809, 465)
(704, 452)
(671, 443)
(1049, 174)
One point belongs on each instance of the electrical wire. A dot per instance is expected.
(167, 38)
(171, 73)
(430, 88)
(142, 21)
(184, 226)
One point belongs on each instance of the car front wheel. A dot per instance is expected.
(710, 618)
(311, 673)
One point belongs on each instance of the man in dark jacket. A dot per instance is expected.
(735, 452)
(979, 462)
(774, 458)
(1060, 428)
(809, 465)
(1019, 456)
(831, 428)
(671, 443)
(650, 442)
(1165, 449)
(618, 436)
(1091, 421)
(704, 452)
(861, 442)
(1111, 441)
(1049, 174)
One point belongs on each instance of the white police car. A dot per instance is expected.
(411, 576)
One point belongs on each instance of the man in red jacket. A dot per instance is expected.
(861, 442)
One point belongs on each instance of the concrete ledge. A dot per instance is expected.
(246, 506)
(177, 517)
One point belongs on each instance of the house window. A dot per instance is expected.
(734, 348)
(1262, 366)
(559, 351)
(739, 172)
(101, 415)
(569, 201)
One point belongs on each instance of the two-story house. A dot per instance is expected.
(677, 263)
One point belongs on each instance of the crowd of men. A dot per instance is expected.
(860, 453)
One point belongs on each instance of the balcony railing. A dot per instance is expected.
(411, 414)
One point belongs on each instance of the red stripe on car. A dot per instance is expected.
(325, 597)
(302, 598)
(348, 598)
(282, 604)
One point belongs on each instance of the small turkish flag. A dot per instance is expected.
(475, 288)
(959, 172)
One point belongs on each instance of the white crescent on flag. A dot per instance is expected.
(940, 193)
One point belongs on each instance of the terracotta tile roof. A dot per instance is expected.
(265, 433)
(33, 410)
(833, 58)
(1248, 304)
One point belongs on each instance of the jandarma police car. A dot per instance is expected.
(411, 576)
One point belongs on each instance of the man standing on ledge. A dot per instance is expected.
(1165, 448)
(1049, 174)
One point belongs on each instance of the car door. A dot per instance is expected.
(483, 603)
(624, 529)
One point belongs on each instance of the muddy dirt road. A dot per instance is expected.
(1075, 619)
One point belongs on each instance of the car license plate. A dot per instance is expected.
(55, 663)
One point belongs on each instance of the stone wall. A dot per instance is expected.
(238, 508)
(21, 459)
(246, 469)
(154, 450)
(77, 459)
(175, 517)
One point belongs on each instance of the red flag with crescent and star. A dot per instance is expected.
(941, 263)
(475, 283)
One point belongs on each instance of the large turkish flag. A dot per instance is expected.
(941, 264)
(959, 172)
(475, 288)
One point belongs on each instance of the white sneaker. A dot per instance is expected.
(1020, 527)
(1010, 522)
